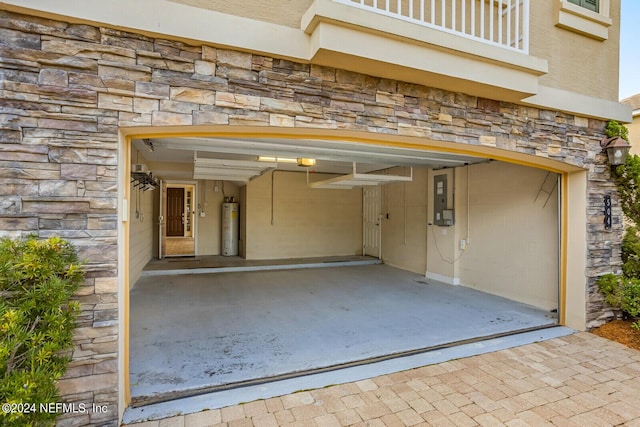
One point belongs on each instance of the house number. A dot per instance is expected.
(607, 212)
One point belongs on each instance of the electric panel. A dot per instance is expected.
(442, 215)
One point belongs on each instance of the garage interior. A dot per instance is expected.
(454, 247)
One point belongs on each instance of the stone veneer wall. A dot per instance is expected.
(67, 88)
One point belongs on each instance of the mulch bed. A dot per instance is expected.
(620, 331)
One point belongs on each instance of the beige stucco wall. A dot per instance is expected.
(306, 222)
(404, 232)
(511, 238)
(209, 227)
(577, 62)
(141, 232)
(279, 12)
(513, 234)
(143, 226)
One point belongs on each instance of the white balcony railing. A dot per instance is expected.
(503, 23)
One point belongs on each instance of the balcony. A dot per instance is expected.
(479, 47)
(503, 23)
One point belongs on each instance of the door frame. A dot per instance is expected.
(162, 223)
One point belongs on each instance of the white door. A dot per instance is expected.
(371, 221)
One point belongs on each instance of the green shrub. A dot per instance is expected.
(37, 318)
(631, 297)
(631, 253)
(627, 179)
(611, 287)
(621, 292)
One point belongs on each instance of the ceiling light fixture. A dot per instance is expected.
(305, 162)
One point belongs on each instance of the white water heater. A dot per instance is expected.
(230, 229)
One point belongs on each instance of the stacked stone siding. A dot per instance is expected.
(67, 88)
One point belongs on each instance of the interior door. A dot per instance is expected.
(175, 212)
(371, 221)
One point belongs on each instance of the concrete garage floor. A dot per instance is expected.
(198, 332)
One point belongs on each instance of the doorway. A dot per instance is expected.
(177, 231)
(372, 211)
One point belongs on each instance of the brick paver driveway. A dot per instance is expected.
(576, 380)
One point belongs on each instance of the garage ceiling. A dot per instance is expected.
(173, 158)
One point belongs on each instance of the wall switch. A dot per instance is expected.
(202, 215)
(215, 188)
(463, 245)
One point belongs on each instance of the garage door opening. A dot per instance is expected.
(469, 246)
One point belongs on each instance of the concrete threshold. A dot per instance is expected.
(272, 267)
(267, 388)
(165, 397)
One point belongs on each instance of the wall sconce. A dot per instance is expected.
(616, 148)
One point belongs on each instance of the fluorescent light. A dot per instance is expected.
(276, 159)
(300, 161)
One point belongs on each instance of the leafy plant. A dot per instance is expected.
(631, 298)
(631, 253)
(624, 293)
(628, 183)
(610, 286)
(616, 129)
(37, 318)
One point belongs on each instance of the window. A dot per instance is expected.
(588, 4)
(587, 17)
(188, 204)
